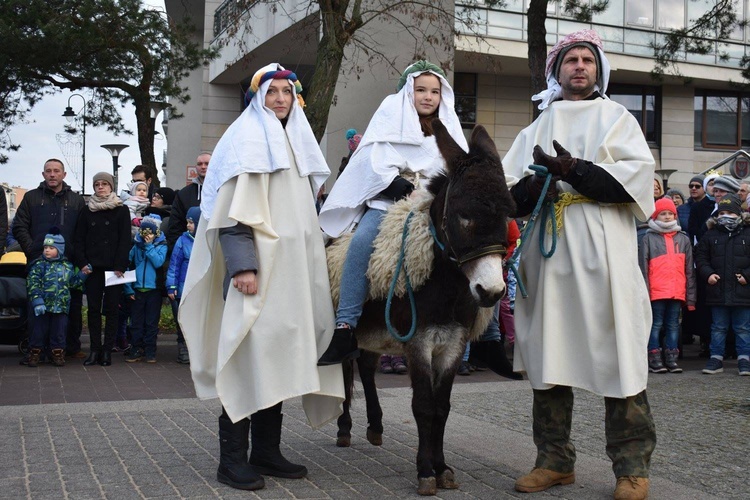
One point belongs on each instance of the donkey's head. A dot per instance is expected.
(471, 209)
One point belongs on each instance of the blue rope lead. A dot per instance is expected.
(546, 208)
(391, 291)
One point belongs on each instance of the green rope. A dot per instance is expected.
(391, 291)
(546, 208)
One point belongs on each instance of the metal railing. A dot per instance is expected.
(228, 12)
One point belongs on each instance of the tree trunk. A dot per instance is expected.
(537, 33)
(327, 65)
(145, 127)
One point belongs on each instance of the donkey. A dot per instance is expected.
(469, 212)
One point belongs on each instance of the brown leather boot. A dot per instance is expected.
(58, 357)
(34, 355)
(542, 479)
(632, 488)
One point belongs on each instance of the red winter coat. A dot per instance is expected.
(666, 260)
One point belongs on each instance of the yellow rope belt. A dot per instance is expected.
(565, 200)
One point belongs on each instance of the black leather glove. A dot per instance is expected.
(559, 166)
(535, 184)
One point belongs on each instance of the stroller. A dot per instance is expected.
(13, 301)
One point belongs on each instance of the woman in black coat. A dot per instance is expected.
(103, 244)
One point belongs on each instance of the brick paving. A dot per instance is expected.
(136, 431)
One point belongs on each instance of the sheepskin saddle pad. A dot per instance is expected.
(418, 256)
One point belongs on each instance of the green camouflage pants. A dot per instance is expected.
(629, 427)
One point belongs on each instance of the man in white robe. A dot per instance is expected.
(587, 319)
(256, 309)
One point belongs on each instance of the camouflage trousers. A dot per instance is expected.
(629, 428)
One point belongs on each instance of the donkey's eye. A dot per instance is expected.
(466, 224)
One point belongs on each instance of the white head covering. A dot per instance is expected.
(392, 144)
(256, 143)
(584, 38)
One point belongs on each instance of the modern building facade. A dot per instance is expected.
(691, 123)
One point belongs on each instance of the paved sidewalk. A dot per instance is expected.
(163, 445)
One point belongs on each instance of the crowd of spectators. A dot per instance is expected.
(75, 247)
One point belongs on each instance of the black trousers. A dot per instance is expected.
(102, 301)
(75, 322)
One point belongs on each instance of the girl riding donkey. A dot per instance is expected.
(397, 150)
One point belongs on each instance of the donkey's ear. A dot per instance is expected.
(481, 140)
(448, 147)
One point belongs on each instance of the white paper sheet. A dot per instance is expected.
(110, 278)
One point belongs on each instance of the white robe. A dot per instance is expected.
(587, 319)
(253, 351)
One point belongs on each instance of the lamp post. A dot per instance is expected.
(156, 107)
(70, 115)
(114, 150)
(664, 173)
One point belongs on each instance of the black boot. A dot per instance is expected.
(93, 359)
(106, 358)
(233, 467)
(343, 346)
(265, 455)
(491, 353)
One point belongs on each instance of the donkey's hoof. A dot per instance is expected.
(447, 480)
(344, 441)
(375, 438)
(427, 486)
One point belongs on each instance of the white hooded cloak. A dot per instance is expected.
(587, 319)
(252, 351)
(393, 144)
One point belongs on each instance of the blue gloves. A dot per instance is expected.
(39, 310)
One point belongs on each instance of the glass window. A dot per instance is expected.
(722, 119)
(643, 104)
(465, 91)
(640, 12)
(612, 15)
(671, 14)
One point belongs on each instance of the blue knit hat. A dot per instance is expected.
(55, 239)
(150, 225)
(194, 214)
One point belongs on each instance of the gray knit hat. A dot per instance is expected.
(55, 239)
(698, 178)
(727, 183)
(104, 176)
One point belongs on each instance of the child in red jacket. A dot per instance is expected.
(666, 260)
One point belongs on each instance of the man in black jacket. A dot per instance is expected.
(186, 198)
(53, 203)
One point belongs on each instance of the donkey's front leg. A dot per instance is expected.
(423, 407)
(445, 368)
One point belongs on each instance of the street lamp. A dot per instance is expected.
(70, 115)
(664, 173)
(156, 107)
(114, 150)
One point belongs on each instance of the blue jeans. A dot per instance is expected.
(144, 318)
(666, 313)
(738, 317)
(53, 324)
(493, 329)
(354, 284)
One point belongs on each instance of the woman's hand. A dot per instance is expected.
(713, 279)
(246, 282)
(119, 274)
(741, 279)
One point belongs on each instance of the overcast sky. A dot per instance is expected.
(38, 142)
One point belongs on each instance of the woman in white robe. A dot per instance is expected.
(256, 310)
(397, 149)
